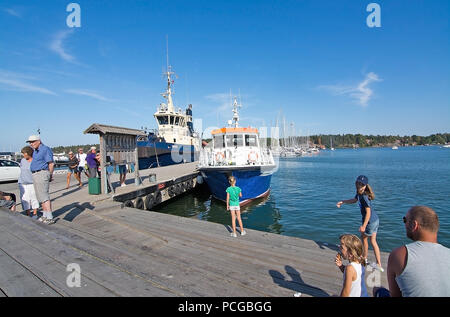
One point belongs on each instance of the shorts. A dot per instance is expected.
(122, 169)
(41, 182)
(235, 208)
(372, 227)
(28, 197)
(73, 170)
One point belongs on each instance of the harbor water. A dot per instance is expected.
(305, 190)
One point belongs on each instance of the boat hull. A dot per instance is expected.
(164, 154)
(254, 182)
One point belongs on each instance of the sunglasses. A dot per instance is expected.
(404, 220)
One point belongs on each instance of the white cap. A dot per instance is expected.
(33, 138)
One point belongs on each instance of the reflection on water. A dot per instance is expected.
(261, 214)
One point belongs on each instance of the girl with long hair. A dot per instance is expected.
(370, 221)
(351, 249)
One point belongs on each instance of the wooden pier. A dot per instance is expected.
(125, 251)
(161, 185)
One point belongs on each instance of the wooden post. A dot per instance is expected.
(137, 180)
(104, 178)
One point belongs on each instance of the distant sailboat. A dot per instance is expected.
(395, 147)
(331, 144)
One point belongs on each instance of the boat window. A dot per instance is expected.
(219, 142)
(177, 120)
(172, 119)
(163, 120)
(235, 140)
(250, 140)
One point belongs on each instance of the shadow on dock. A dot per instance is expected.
(73, 210)
(296, 283)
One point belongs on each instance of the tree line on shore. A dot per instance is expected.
(74, 148)
(351, 140)
(338, 140)
(360, 140)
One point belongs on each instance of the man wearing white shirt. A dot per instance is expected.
(82, 163)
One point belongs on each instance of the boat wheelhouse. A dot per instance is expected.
(237, 151)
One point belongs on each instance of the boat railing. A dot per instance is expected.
(229, 157)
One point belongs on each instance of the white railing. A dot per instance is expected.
(236, 157)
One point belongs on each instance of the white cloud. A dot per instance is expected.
(13, 12)
(57, 45)
(88, 93)
(15, 81)
(361, 92)
(224, 100)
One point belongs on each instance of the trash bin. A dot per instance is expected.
(95, 186)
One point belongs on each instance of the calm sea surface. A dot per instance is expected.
(305, 190)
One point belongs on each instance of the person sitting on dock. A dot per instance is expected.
(7, 200)
(421, 268)
(233, 194)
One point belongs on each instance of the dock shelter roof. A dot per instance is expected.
(97, 128)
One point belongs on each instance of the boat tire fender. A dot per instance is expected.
(158, 198)
(128, 203)
(149, 201)
(171, 191)
(139, 203)
(178, 189)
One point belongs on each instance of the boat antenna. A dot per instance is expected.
(167, 51)
(240, 99)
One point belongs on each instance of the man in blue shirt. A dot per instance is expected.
(42, 171)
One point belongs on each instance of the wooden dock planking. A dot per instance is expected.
(131, 252)
(100, 277)
(242, 256)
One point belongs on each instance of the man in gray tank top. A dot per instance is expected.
(421, 268)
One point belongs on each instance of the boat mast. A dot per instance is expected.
(168, 94)
(235, 113)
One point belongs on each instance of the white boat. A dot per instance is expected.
(60, 158)
(395, 147)
(175, 140)
(237, 151)
(446, 146)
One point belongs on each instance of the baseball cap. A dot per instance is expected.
(362, 179)
(33, 138)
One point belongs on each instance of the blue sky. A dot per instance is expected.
(315, 62)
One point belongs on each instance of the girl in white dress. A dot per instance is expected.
(351, 249)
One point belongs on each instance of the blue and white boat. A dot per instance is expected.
(175, 140)
(237, 151)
